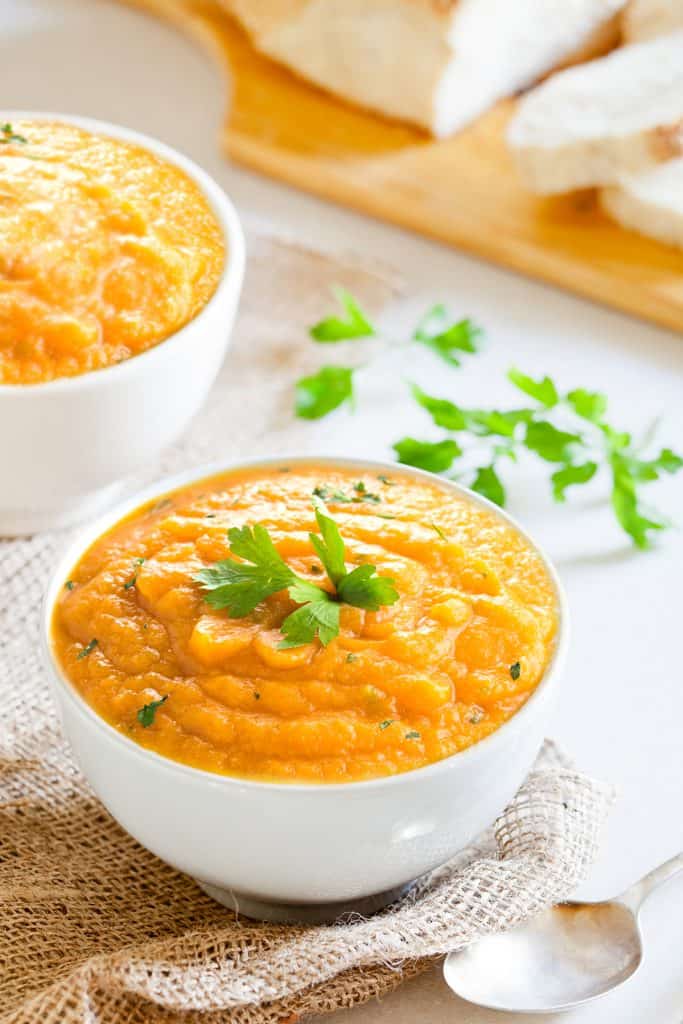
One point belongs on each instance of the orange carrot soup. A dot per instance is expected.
(307, 623)
(105, 250)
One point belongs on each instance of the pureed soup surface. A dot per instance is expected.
(105, 250)
(457, 654)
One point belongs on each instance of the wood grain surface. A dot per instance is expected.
(462, 191)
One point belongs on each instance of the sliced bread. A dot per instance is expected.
(645, 19)
(650, 203)
(590, 124)
(436, 63)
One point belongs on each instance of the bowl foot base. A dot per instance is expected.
(302, 913)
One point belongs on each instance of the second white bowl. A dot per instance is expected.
(67, 445)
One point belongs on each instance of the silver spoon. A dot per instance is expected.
(567, 955)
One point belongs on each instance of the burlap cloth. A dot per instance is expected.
(96, 930)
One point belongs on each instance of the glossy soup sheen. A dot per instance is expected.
(105, 250)
(457, 654)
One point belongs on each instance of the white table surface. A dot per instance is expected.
(621, 709)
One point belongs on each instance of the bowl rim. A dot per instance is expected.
(78, 547)
(221, 206)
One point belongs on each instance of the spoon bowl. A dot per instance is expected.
(569, 954)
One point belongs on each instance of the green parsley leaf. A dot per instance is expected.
(363, 588)
(8, 135)
(323, 392)
(302, 591)
(329, 546)
(626, 505)
(239, 586)
(334, 328)
(446, 339)
(69, 585)
(515, 671)
(543, 390)
(589, 405)
(439, 532)
(386, 723)
(548, 442)
(444, 413)
(645, 470)
(88, 649)
(435, 456)
(668, 461)
(147, 713)
(489, 485)
(483, 422)
(387, 481)
(319, 617)
(569, 476)
(412, 735)
(350, 657)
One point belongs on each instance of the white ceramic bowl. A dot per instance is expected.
(299, 851)
(67, 445)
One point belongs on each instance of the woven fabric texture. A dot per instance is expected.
(96, 930)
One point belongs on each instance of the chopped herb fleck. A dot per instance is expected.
(210, 515)
(9, 135)
(412, 735)
(316, 569)
(351, 657)
(515, 670)
(386, 724)
(146, 714)
(385, 480)
(284, 469)
(134, 578)
(439, 531)
(69, 584)
(160, 505)
(257, 695)
(476, 716)
(88, 649)
(385, 515)
(362, 495)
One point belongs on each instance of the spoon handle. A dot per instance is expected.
(635, 896)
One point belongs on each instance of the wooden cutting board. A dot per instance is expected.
(463, 191)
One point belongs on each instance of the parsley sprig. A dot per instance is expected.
(569, 431)
(239, 586)
(321, 393)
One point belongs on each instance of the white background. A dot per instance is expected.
(621, 710)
